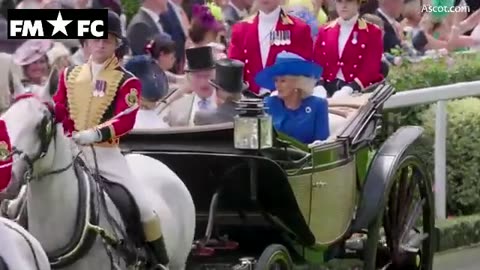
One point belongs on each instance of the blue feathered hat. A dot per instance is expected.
(287, 63)
(143, 67)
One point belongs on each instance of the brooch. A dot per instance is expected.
(308, 109)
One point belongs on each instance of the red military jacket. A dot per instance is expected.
(109, 103)
(361, 58)
(5, 158)
(245, 45)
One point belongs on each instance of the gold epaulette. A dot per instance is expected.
(286, 20)
(331, 24)
(362, 24)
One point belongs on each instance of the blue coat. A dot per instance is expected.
(306, 124)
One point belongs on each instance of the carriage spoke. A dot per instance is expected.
(412, 219)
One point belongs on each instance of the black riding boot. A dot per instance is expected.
(159, 251)
(154, 238)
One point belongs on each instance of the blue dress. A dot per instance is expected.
(306, 124)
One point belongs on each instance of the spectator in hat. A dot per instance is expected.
(32, 57)
(153, 89)
(200, 70)
(229, 87)
(294, 110)
(162, 51)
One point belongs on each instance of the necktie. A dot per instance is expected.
(203, 104)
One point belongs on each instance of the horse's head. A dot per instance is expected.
(31, 122)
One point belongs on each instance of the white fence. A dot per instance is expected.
(440, 95)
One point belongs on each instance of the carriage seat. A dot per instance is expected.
(343, 110)
(128, 209)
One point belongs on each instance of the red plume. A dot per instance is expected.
(5, 158)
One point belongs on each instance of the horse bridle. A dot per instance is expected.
(46, 131)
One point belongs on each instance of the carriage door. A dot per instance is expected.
(333, 191)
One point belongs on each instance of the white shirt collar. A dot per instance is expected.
(350, 22)
(389, 19)
(270, 17)
(241, 12)
(96, 68)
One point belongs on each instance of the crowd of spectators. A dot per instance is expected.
(164, 29)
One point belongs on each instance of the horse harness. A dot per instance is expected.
(91, 196)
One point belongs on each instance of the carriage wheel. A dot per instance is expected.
(274, 257)
(406, 240)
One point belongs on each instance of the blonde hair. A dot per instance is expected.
(305, 85)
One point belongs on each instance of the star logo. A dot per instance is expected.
(59, 25)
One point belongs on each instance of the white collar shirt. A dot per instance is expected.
(197, 105)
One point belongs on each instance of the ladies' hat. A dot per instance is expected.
(229, 76)
(31, 51)
(287, 63)
(145, 69)
(203, 14)
(199, 58)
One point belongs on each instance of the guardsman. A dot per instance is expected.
(350, 51)
(5, 158)
(258, 39)
(102, 100)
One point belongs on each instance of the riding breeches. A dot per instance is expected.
(114, 167)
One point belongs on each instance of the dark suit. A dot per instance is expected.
(390, 38)
(172, 25)
(230, 15)
(141, 29)
(223, 114)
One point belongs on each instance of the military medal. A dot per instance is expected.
(277, 38)
(288, 39)
(354, 39)
(100, 87)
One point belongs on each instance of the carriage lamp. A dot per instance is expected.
(252, 126)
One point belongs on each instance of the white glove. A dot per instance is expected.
(87, 137)
(320, 91)
(343, 92)
(319, 142)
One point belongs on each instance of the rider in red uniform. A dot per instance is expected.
(102, 100)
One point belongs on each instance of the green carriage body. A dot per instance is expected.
(306, 202)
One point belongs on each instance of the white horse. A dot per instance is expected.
(61, 199)
(19, 249)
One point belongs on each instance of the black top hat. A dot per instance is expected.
(229, 76)
(114, 24)
(199, 58)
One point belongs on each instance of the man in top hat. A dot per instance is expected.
(102, 100)
(200, 70)
(350, 50)
(258, 39)
(229, 86)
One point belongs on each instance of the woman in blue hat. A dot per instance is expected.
(294, 110)
(143, 67)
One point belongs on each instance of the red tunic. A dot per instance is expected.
(245, 45)
(111, 125)
(5, 160)
(360, 61)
